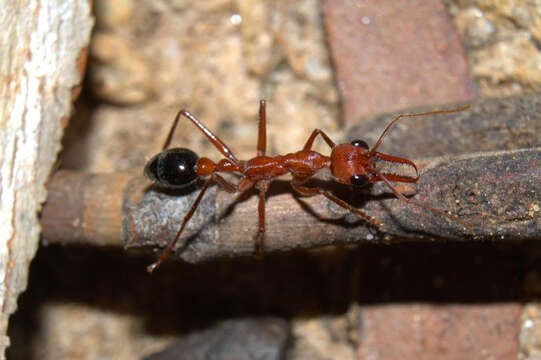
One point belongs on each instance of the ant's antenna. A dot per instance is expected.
(380, 140)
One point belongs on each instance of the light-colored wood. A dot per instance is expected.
(43, 55)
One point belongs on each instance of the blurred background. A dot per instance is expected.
(319, 64)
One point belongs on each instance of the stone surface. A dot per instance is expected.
(530, 331)
(440, 332)
(514, 63)
(503, 37)
(326, 337)
(238, 339)
(388, 56)
(118, 72)
(93, 334)
(216, 59)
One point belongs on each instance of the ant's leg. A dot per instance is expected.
(209, 134)
(187, 218)
(262, 186)
(405, 199)
(399, 160)
(316, 132)
(262, 133)
(308, 191)
(224, 184)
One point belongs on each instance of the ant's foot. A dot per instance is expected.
(152, 267)
(258, 252)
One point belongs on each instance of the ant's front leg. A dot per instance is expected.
(387, 180)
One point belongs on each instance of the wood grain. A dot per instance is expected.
(43, 58)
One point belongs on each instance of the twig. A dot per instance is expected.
(498, 194)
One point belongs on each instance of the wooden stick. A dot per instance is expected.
(489, 191)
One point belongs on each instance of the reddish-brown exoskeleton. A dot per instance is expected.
(351, 164)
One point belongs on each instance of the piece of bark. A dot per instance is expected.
(497, 194)
(43, 46)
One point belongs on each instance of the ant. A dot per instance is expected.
(351, 164)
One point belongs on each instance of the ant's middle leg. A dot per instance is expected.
(262, 186)
(209, 134)
(243, 185)
(311, 191)
(316, 132)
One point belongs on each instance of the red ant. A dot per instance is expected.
(352, 164)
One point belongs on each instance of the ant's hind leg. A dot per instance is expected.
(262, 186)
(216, 141)
(187, 218)
(308, 191)
(224, 184)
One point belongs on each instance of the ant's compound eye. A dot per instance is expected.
(173, 168)
(359, 180)
(360, 143)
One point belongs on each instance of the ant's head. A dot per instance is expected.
(350, 162)
(173, 168)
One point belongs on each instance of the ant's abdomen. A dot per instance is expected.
(174, 168)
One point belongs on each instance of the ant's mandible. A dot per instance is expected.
(352, 164)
